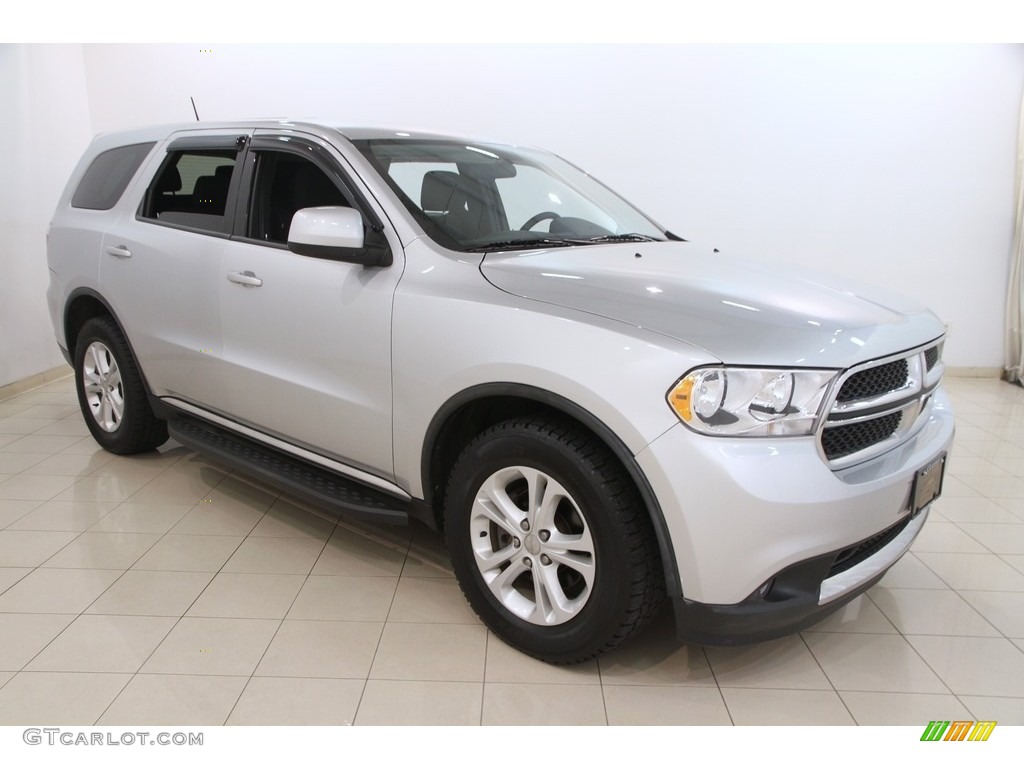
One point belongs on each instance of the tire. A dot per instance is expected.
(111, 394)
(550, 542)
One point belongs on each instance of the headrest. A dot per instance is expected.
(437, 189)
(170, 180)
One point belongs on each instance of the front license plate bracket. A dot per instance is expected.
(927, 485)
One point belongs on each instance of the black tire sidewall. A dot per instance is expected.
(131, 432)
(602, 616)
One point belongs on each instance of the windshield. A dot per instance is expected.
(482, 197)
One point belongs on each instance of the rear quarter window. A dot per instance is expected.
(108, 175)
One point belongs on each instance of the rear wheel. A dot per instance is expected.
(549, 540)
(111, 393)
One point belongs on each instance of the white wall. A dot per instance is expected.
(891, 164)
(43, 130)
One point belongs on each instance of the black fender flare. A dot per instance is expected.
(588, 420)
(91, 293)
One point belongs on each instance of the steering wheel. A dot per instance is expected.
(538, 218)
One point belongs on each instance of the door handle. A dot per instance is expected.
(247, 278)
(121, 251)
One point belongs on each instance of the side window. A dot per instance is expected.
(108, 175)
(191, 189)
(283, 184)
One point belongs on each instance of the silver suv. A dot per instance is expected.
(598, 414)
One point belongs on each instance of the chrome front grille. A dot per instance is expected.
(879, 404)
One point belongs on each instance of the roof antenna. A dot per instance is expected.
(194, 107)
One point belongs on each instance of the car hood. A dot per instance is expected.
(740, 313)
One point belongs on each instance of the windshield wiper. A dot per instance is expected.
(525, 245)
(546, 242)
(632, 237)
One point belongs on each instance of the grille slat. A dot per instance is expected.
(875, 381)
(845, 439)
(931, 357)
(865, 549)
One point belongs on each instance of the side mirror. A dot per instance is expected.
(337, 233)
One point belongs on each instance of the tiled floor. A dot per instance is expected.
(162, 589)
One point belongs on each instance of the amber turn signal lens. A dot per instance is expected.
(681, 399)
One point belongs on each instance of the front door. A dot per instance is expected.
(306, 341)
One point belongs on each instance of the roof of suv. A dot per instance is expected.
(157, 132)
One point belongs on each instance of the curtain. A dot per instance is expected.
(1015, 296)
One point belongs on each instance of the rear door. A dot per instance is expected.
(161, 263)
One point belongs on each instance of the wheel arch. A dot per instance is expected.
(466, 414)
(82, 305)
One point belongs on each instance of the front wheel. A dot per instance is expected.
(549, 540)
(111, 393)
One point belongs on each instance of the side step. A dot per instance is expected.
(308, 481)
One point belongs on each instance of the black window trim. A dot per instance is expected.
(316, 154)
(228, 141)
(233, 141)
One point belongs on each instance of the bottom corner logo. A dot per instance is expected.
(958, 730)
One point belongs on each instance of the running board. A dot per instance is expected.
(314, 484)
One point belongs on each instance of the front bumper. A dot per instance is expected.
(757, 525)
(798, 597)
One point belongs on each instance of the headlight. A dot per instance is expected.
(752, 402)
